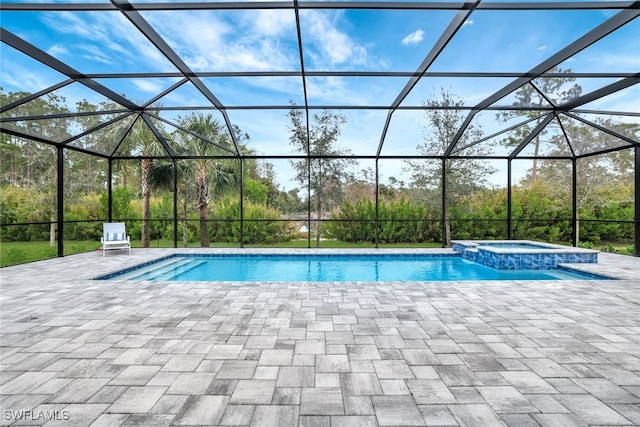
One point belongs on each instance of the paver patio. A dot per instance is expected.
(76, 351)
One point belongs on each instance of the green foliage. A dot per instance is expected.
(255, 191)
(262, 224)
(400, 221)
(585, 245)
(609, 248)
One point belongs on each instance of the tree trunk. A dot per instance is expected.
(203, 205)
(52, 227)
(447, 227)
(319, 223)
(204, 228)
(146, 201)
(185, 233)
(534, 168)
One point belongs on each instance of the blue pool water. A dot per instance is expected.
(514, 245)
(329, 268)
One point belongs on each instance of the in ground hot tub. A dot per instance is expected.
(522, 254)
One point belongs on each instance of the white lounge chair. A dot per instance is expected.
(114, 236)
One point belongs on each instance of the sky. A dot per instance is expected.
(332, 40)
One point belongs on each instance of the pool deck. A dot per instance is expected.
(124, 353)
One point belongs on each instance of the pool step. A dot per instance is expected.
(176, 269)
(159, 269)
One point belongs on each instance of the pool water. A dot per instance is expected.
(329, 268)
(514, 245)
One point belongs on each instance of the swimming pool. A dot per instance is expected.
(329, 268)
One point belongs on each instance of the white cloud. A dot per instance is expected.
(543, 47)
(328, 45)
(210, 41)
(105, 38)
(57, 50)
(468, 22)
(413, 38)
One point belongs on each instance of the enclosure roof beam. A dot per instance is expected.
(610, 25)
(158, 135)
(599, 93)
(454, 26)
(48, 60)
(535, 132)
(347, 5)
(36, 95)
(147, 30)
(192, 133)
(603, 129)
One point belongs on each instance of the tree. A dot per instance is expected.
(463, 177)
(212, 176)
(597, 174)
(544, 92)
(147, 144)
(326, 167)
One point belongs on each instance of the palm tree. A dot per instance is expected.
(146, 142)
(212, 176)
(162, 176)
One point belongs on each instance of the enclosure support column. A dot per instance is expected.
(241, 202)
(110, 190)
(574, 202)
(509, 223)
(175, 203)
(636, 222)
(309, 202)
(60, 191)
(444, 203)
(377, 225)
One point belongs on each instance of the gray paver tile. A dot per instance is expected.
(310, 346)
(79, 391)
(225, 351)
(275, 415)
(430, 392)
(332, 363)
(397, 410)
(296, 376)
(237, 415)
(253, 392)
(506, 399)
(169, 404)
(476, 415)
(276, 357)
(135, 375)
(392, 369)
(137, 400)
(605, 390)
(79, 414)
(353, 421)
(325, 401)
(201, 410)
(437, 415)
(110, 420)
(558, 420)
(528, 382)
(360, 383)
(286, 396)
(237, 369)
(358, 405)
(191, 383)
(591, 410)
